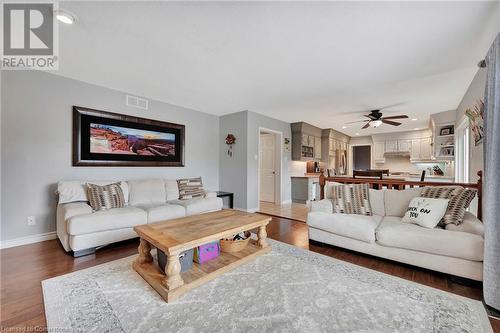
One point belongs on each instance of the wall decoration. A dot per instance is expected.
(109, 139)
(287, 145)
(447, 130)
(230, 141)
(476, 117)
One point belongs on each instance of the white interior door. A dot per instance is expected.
(267, 162)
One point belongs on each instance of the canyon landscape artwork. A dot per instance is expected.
(106, 139)
(102, 138)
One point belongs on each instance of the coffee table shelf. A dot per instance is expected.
(200, 273)
(175, 236)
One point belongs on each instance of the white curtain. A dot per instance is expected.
(491, 188)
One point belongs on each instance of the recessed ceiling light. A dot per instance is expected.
(414, 119)
(357, 133)
(416, 128)
(344, 126)
(65, 17)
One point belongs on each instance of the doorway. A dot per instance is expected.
(269, 166)
(361, 157)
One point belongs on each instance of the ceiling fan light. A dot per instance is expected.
(376, 123)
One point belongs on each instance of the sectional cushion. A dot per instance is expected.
(394, 233)
(147, 192)
(377, 201)
(110, 219)
(172, 189)
(76, 190)
(324, 205)
(396, 202)
(470, 224)
(163, 212)
(199, 205)
(360, 227)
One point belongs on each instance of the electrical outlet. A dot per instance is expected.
(31, 220)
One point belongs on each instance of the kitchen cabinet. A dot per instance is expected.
(391, 146)
(305, 189)
(306, 142)
(317, 148)
(404, 146)
(378, 152)
(426, 149)
(421, 149)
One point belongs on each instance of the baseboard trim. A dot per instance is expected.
(249, 210)
(27, 240)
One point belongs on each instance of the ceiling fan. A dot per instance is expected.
(375, 119)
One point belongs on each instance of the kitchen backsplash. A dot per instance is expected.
(403, 164)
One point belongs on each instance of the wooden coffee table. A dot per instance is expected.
(176, 236)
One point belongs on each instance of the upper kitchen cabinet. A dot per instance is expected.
(334, 150)
(379, 152)
(306, 142)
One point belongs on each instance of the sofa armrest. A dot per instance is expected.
(64, 213)
(324, 205)
(211, 194)
(470, 224)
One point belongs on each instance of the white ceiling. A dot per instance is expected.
(294, 61)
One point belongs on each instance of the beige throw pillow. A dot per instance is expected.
(426, 212)
(190, 188)
(351, 199)
(102, 197)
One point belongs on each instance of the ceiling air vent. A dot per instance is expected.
(136, 102)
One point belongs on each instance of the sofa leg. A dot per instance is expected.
(85, 252)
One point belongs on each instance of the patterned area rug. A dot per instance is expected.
(287, 290)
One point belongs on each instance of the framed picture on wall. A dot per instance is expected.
(103, 138)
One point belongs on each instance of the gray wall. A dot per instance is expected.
(256, 121)
(239, 174)
(36, 145)
(233, 170)
(473, 94)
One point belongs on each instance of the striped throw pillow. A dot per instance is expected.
(102, 197)
(351, 199)
(190, 188)
(459, 200)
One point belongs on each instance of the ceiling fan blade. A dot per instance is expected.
(366, 126)
(359, 121)
(370, 116)
(396, 117)
(393, 123)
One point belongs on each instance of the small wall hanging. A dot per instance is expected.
(230, 141)
(287, 145)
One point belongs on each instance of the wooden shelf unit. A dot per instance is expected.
(200, 273)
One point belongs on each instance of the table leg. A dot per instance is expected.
(262, 235)
(144, 252)
(173, 278)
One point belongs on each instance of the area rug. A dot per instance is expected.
(286, 290)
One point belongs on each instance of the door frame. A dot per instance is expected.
(362, 145)
(350, 158)
(278, 182)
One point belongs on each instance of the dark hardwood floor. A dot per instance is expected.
(23, 268)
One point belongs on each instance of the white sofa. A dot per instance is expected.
(82, 230)
(456, 250)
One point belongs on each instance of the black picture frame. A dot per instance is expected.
(167, 156)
